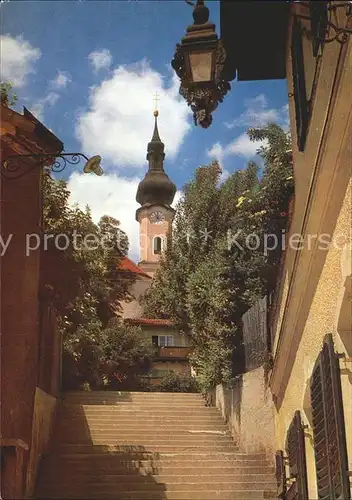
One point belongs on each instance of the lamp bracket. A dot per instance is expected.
(340, 34)
(16, 166)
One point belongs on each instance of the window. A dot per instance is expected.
(157, 245)
(299, 85)
(319, 22)
(329, 426)
(165, 340)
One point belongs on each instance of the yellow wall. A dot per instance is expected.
(133, 308)
(314, 296)
(321, 320)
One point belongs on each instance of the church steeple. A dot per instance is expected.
(156, 187)
(155, 194)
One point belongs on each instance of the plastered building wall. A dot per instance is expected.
(314, 296)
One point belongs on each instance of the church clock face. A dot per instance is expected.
(157, 217)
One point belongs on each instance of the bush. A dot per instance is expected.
(174, 382)
(114, 358)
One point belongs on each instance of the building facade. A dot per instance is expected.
(310, 320)
(30, 344)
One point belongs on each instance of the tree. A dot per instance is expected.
(218, 264)
(80, 274)
(8, 97)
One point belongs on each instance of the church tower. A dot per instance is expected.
(155, 194)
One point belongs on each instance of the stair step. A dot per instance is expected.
(137, 402)
(161, 429)
(78, 410)
(95, 470)
(146, 436)
(128, 396)
(161, 494)
(103, 454)
(149, 484)
(138, 419)
(90, 477)
(146, 448)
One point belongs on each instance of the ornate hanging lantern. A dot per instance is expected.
(198, 62)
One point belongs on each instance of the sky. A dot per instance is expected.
(89, 71)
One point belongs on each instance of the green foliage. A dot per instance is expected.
(211, 273)
(86, 289)
(8, 98)
(113, 357)
(174, 382)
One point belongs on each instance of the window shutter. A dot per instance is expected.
(319, 22)
(170, 340)
(296, 451)
(329, 426)
(280, 472)
(299, 85)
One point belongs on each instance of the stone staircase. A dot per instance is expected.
(147, 446)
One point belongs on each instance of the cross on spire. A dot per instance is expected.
(156, 98)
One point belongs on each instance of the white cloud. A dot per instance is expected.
(258, 114)
(38, 107)
(240, 146)
(100, 59)
(17, 59)
(62, 79)
(119, 122)
(243, 146)
(112, 195)
(109, 195)
(216, 152)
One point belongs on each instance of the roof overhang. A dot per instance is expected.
(254, 35)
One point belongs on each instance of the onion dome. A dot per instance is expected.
(156, 187)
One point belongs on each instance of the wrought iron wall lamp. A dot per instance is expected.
(198, 62)
(320, 17)
(16, 166)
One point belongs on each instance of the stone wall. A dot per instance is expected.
(248, 409)
(43, 419)
(20, 215)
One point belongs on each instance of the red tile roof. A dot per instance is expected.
(128, 265)
(150, 321)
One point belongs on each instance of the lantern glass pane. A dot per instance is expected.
(201, 65)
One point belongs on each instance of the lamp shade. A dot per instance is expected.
(201, 65)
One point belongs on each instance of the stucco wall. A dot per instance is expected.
(248, 409)
(147, 231)
(43, 419)
(314, 296)
(323, 318)
(133, 309)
